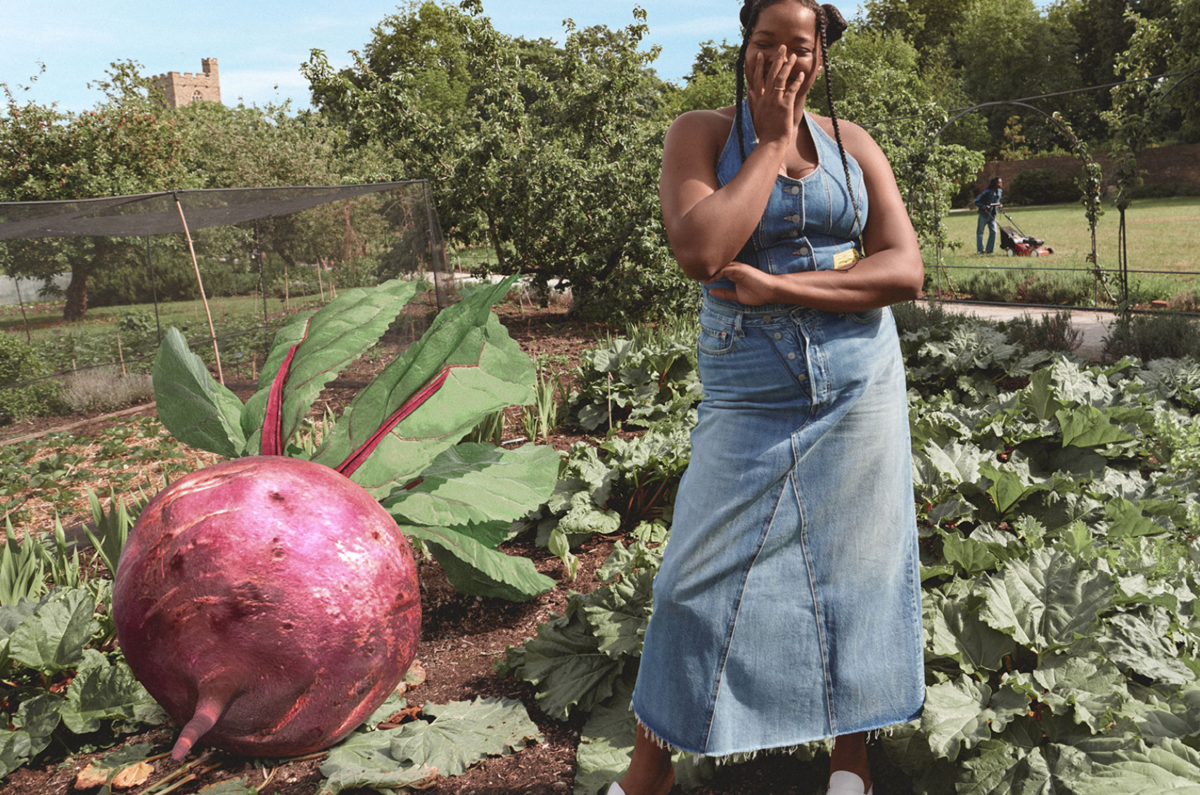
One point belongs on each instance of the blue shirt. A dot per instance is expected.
(989, 196)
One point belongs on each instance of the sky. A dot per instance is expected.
(260, 45)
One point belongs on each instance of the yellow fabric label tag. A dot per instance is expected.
(845, 258)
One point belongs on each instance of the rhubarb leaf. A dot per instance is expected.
(463, 733)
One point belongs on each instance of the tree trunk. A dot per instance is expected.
(77, 292)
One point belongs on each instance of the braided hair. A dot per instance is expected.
(830, 26)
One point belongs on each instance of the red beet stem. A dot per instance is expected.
(208, 712)
(272, 435)
(414, 402)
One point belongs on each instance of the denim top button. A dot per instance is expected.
(794, 190)
(778, 336)
(802, 251)
(792, 355)
(795, 219)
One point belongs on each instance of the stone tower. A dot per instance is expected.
(186, 88)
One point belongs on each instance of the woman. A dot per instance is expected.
(787, 608)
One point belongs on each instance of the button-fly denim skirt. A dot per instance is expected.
(787, 608)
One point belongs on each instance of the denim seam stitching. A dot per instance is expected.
(737, 608)
(818, 612)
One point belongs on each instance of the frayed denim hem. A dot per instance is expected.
(738, 757)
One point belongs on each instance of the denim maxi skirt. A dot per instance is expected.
(787, 608)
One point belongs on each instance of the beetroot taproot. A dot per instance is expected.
(268, 603)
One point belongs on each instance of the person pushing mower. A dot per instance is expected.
(989, 205)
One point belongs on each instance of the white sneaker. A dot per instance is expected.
(843, 782)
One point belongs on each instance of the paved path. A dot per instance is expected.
(1092, 324)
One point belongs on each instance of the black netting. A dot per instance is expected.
(262, 254)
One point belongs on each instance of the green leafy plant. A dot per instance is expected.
(456, 736)
(1048, 333)
(20, 363)
(540, 418)
(1060, 545)
(637, 379)
(1147, 337)
(399, 437)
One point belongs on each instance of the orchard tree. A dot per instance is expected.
(125, 145)
(554, 159)
(876, 83)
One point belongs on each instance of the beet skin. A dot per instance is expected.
(268, 603)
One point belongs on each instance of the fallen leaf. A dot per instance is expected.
(133, 776)
(91, 776)
(415, 675)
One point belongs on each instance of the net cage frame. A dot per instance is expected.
(183, 212)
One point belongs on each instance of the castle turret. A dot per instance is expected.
(186, 88)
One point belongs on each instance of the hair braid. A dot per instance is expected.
(830, 25)
(837, 132)
(749, 17)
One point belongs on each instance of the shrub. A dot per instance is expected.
(20, 363)
(1152, 337)
(1048, 333)
(1042, 186)
(1064, 289)
(1165, 190)
(911, 316)
(985, 285)
(105, 389)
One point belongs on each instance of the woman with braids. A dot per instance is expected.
(787, 608)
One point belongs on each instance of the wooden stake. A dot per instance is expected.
(211, 331)
(120, 355)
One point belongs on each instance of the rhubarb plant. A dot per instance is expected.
(1059, 512)
(400, 438)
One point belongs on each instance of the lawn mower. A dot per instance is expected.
(1018, 244)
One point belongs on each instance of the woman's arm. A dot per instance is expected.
(708, 224)
(891, 272)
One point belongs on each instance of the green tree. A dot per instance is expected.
(876, 82)
(554, 159)
(125, 145)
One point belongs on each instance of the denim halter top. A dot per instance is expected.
(808, 221)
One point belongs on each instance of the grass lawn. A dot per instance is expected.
(1163, 235)
(46, 319)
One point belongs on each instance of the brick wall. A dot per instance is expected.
(1170, 164)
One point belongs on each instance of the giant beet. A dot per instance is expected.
(268, 603)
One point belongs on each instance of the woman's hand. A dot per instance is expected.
(752, 286)
(772, 89)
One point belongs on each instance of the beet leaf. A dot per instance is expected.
(487, 371)
(471, 483)
(475, 568)
(325, 343)
(195, 408)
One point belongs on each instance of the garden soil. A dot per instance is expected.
(462, 637)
